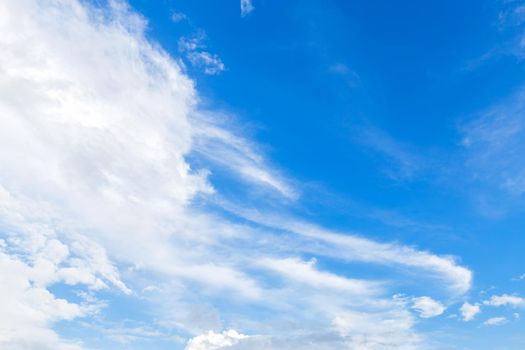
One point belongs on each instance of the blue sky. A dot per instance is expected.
(205, 175)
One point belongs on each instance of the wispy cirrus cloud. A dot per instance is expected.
(195, 51)
(493, 144)
(400, 162)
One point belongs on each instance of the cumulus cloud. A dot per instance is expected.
(95, 128)
(28, 309)
(427, 307)
(469, 311)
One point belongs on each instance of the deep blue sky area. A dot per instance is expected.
(310, 77)
(307, 77)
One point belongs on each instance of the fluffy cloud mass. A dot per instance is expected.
(427, 307)
(98, 196)
(469, 311)
(505, 300)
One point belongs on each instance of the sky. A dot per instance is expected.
(262, 175)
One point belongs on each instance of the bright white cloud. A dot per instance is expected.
(229, 151)
(246, 7)
(102, 116)
(28, 309)
(505, 300)
(305, 272)
(215, 341)
(427, 307)
(469, 311)
(354, 248)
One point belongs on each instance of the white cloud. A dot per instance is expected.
(469, 311)
(384, 330)
(427, 307)
(28, 309)
(211, 63)
(195, 50)
(102, 116)
(495, 321)
(230, 151)
(246, 7)
(351, 247)
(505, 300)
(305, 272)
(215, 341)
(353, 331)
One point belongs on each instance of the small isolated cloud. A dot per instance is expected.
(178, 17)
(341, 69)
(214, 341)
(246, 7)
(210, 63)
(199, 57)
(427, 307)
(505, 300)
(469, 311)
(495, 321)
